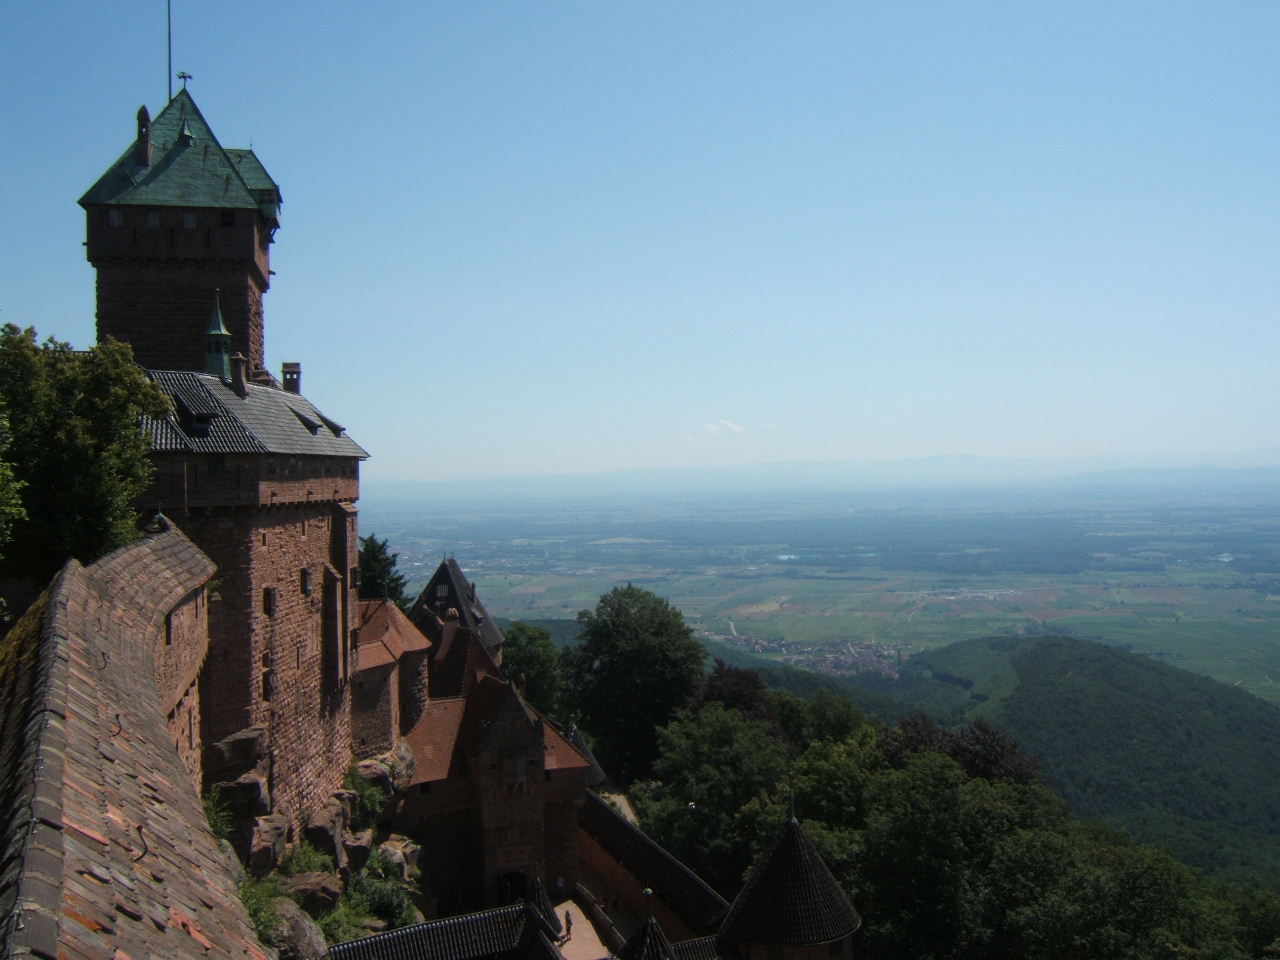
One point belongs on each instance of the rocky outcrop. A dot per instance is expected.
(399, 853)
(326, 828)
(297, 936)
(267, 847)
(317, 893)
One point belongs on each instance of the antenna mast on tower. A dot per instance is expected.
(168, 17)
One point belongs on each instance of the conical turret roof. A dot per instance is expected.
(790, 899)
(647, 943)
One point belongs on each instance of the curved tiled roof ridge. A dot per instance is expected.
(790, 898)
(104, 848)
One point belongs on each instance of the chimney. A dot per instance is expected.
(142, 149)
(238, 374)
(291, 374)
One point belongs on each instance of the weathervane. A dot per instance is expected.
(184, 77)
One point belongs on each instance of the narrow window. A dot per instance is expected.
(188, 221)
(115, 218)
(305, 581)
(269, 601)
(153, 218)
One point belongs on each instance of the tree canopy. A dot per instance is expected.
(379, 578)
(528, 653)
(636, 663)
(77, 447)
(946, 841)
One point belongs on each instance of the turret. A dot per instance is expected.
(177, 217)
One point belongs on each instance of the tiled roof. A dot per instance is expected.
(434, 738)
(461, 596)
(188, 168)
(672, 882)
(647, 943)
(703, 948)
(514, 931)
(104, 849)
(386, 634)
(561, 753)
(596, 775)
(790, 899)
(451, 728)
(210, 417)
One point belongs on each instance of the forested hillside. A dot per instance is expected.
(945, 839)
(1170, 755)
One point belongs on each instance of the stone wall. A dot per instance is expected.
(281, 625)
(158, 270)
(375, 710)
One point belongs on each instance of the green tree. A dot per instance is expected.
(713, 763)
(635, 665)
(379, 579)
(78, 448)
(527, 651)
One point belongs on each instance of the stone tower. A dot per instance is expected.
(174, 220)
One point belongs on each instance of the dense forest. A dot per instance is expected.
(947, 838)
(1167, 754)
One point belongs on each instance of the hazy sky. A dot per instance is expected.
(536, 237)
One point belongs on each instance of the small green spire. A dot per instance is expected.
(217, 355)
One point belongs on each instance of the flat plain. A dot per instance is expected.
(849, 583)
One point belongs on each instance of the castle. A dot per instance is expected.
(227, 652)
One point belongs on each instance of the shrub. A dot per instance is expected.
(219, 817)
(258, 897)
(369, 800)
(305, 858)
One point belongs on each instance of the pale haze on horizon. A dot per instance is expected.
(584, 237)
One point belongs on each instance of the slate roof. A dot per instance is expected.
(210, 417)
(514, 931)
(386, 634)
(187, 171)
(674, 883)
(790, 898)
(596, 775)
(462, 597)
(104, 849)
(647, 943)
(703, 948)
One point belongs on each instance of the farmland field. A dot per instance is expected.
(852, 584)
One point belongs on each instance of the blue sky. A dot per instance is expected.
(527, 238)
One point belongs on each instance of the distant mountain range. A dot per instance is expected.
(1258, 468)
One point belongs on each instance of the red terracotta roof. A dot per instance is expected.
(386, 634)
(451, 727)
(434, 737)
(561, 754)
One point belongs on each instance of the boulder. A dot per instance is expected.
(297, 936)
(317, 893)
(403, 854)
(234, 756)
(325, 830)
(266, 848)
(377, 773)
(245, 797)
(358, 847)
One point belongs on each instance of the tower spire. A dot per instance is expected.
(217, 356)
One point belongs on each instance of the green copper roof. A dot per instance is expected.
(188, 168)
